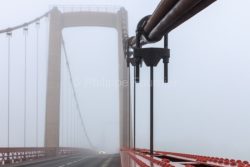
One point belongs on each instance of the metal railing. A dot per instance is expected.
(18, 154)
(88, 8)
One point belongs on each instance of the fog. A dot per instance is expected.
(204, 109)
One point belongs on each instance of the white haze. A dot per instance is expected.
(204, 109)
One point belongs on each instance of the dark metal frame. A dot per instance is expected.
(151, 57)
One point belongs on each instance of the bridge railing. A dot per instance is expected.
(143, 158)
(89, 8)
(18, 154)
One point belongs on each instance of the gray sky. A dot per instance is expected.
(205, 107)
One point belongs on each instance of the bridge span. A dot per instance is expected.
(78, 150)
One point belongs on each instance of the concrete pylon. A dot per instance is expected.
(52, 124)
(59, 21)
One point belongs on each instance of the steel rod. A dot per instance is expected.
(37, 81)
(151, 110)
(129, 110)
(8, 94)
(166, 64)
(25, 86)
(134, 109)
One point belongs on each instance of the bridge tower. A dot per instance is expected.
(59, 21)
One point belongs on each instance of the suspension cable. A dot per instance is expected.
(10, 29)
(75, 96)
(25, 31)
(37, 80)
(9, 34)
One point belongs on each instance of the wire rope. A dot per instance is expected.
(75, 96)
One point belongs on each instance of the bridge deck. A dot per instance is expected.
(77, 161)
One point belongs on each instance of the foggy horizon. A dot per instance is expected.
(203, 110)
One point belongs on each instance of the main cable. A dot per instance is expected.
(75, 96)
(10, 29)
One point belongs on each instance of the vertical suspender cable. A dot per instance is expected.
(69, 117)
(46, 69)
(75, 127)
(62, 105)
(77, 132)
(71, 120)
(134, 109)
(25, 31)
(151, 110)
(129, 110)
(78, 135)
(75, 138)
(136, 79)
(72, 123)
(9, 34)
(65, 106)
(166, 64)
(37, 81)
(68, 109)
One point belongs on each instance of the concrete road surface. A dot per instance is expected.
(104, 160)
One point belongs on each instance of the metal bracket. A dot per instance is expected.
(151, 57)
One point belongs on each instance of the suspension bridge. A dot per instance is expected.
(64, 140)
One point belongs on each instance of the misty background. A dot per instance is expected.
(204, 109)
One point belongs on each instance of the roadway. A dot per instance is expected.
(104, 160)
